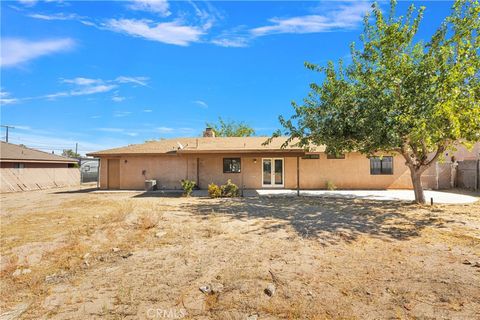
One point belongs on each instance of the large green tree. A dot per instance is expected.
(398, 95)
(231, 129)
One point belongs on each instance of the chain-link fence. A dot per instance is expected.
(89, 169)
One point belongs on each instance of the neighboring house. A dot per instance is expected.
(24, 169)
(247, 162)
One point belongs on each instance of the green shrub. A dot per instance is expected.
(214, 191)
(330, 185)
(187, 186)
(230, 189)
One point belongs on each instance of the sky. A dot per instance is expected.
(111, 73)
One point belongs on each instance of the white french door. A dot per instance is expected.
(273, 172)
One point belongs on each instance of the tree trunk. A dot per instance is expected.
(417, 185)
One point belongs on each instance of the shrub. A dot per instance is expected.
(214, 191)
(330, 185)
(230, 189)
(187, 186)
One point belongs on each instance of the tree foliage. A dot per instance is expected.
(398, 95)
(231, 129)
(70, 153)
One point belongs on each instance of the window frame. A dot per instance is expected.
(382, 169)
(311, 156)
(331, 156)
(230, 164)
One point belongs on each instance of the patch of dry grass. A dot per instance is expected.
(384, 261)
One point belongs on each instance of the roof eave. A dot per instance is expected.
(35, 160)
(192, 151)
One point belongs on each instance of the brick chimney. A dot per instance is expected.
(209, 133)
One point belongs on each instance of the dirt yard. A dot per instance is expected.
(81, 255)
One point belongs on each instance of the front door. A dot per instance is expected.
(113, 178)
(272, 172)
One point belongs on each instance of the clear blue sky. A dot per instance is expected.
(107, 74)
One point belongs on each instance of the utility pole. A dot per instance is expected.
(6, 129)
(76, 147)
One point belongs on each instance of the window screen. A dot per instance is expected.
(231, 165)
(311, 156)
(381, 165)
(335, 156)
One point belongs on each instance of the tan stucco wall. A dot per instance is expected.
(353, 172)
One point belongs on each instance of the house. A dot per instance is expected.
(248, 163)
(23, 169)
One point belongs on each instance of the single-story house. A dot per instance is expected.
(22, 169)
(248, 163)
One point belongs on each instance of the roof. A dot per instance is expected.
(11, 152)
(205, 145)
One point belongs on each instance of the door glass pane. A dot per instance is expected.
(278, 171)
(267, 171)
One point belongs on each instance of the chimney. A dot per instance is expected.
(209, 133)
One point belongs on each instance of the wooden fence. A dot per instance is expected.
(13, 180)
(468, 174)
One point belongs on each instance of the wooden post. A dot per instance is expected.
(298, 176)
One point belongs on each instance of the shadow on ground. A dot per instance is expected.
(86, 190)
(326, 218)
(159, 194)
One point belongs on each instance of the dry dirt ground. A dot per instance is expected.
(80, 255)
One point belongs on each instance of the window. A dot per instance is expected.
(335, 156)
(231, 165)
(18, 165)
(381, 165)
(311, 156)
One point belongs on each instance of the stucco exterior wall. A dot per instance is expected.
(353, 172)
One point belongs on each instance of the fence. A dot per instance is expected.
(13, 180)
(438, 176)
(89, 170)
(468, 174)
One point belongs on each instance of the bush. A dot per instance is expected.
(330, 185)
(187, 186)
(230, 189)
(214, 191)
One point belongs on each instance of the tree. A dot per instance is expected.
(398, 96)
(231, 129)
(70, 153)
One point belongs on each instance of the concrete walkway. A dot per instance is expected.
(387, 195)
(384, 195)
